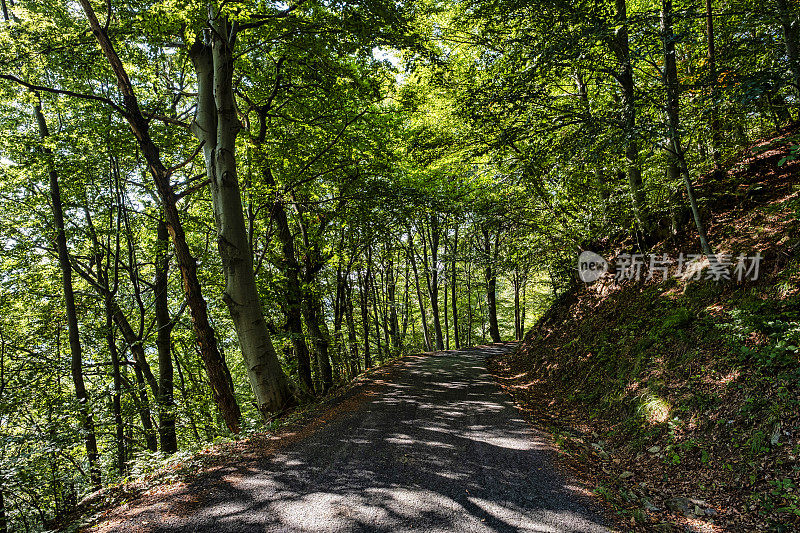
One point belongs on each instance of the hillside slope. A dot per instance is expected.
(679, 398)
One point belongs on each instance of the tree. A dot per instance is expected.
(218, 374)
(216, 126)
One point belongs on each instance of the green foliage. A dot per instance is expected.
(777, 323)
(421, 152)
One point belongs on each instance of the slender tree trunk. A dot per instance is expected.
(673, 103)
(294, 295)
(712, 74)
(364, 292)
(421, 301)
(391, 295)
(374, 290)
(469, 302)
(82, 395)
(116, 404)
(621, 49)
(338, 318)
(216, 125)
(432, 276)
(524, 306)
(103, 274)
(491, 289)
(446, 308)
(150, 437)
(315, 320)
(166, 390)
(216, 369)
(406, 306)
(182, 387)
(453, 299)
(352, 338)
(517, 311)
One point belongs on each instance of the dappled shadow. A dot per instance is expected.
(440, 449)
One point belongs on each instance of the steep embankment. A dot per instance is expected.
(680, 398)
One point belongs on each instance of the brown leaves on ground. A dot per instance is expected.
(653, 417)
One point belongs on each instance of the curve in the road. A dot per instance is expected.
(441, 448)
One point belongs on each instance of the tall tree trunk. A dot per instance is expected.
(352, 338)
(103, 275)
(432, 275)
(391, 296)
(383, 306)
(338, 318)
(116, 404)
(673, 103)
(412, 258)
(182, 387)
(76, 366)
(491, 288)
(444, 304)
(363, 282)
(469, 301)
(453, 300)
(621, 48)
(315, 321)
(143, 404)
(517, 313)
(712, 75)
(524, 307)
(294, 296)
(216, 369)
(166, 390)
(406, 309)
(216, 125)
(116, 395)
(374, 290)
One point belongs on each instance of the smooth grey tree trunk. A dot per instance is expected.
(216, 126)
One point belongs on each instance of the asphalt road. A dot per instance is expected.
(437, 447)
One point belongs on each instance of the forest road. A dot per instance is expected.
(438, 447)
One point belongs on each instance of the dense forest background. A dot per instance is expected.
(214, 212)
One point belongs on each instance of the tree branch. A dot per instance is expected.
(51, 90)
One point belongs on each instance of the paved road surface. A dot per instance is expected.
(438, 447)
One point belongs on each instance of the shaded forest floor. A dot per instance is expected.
(679, 400)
